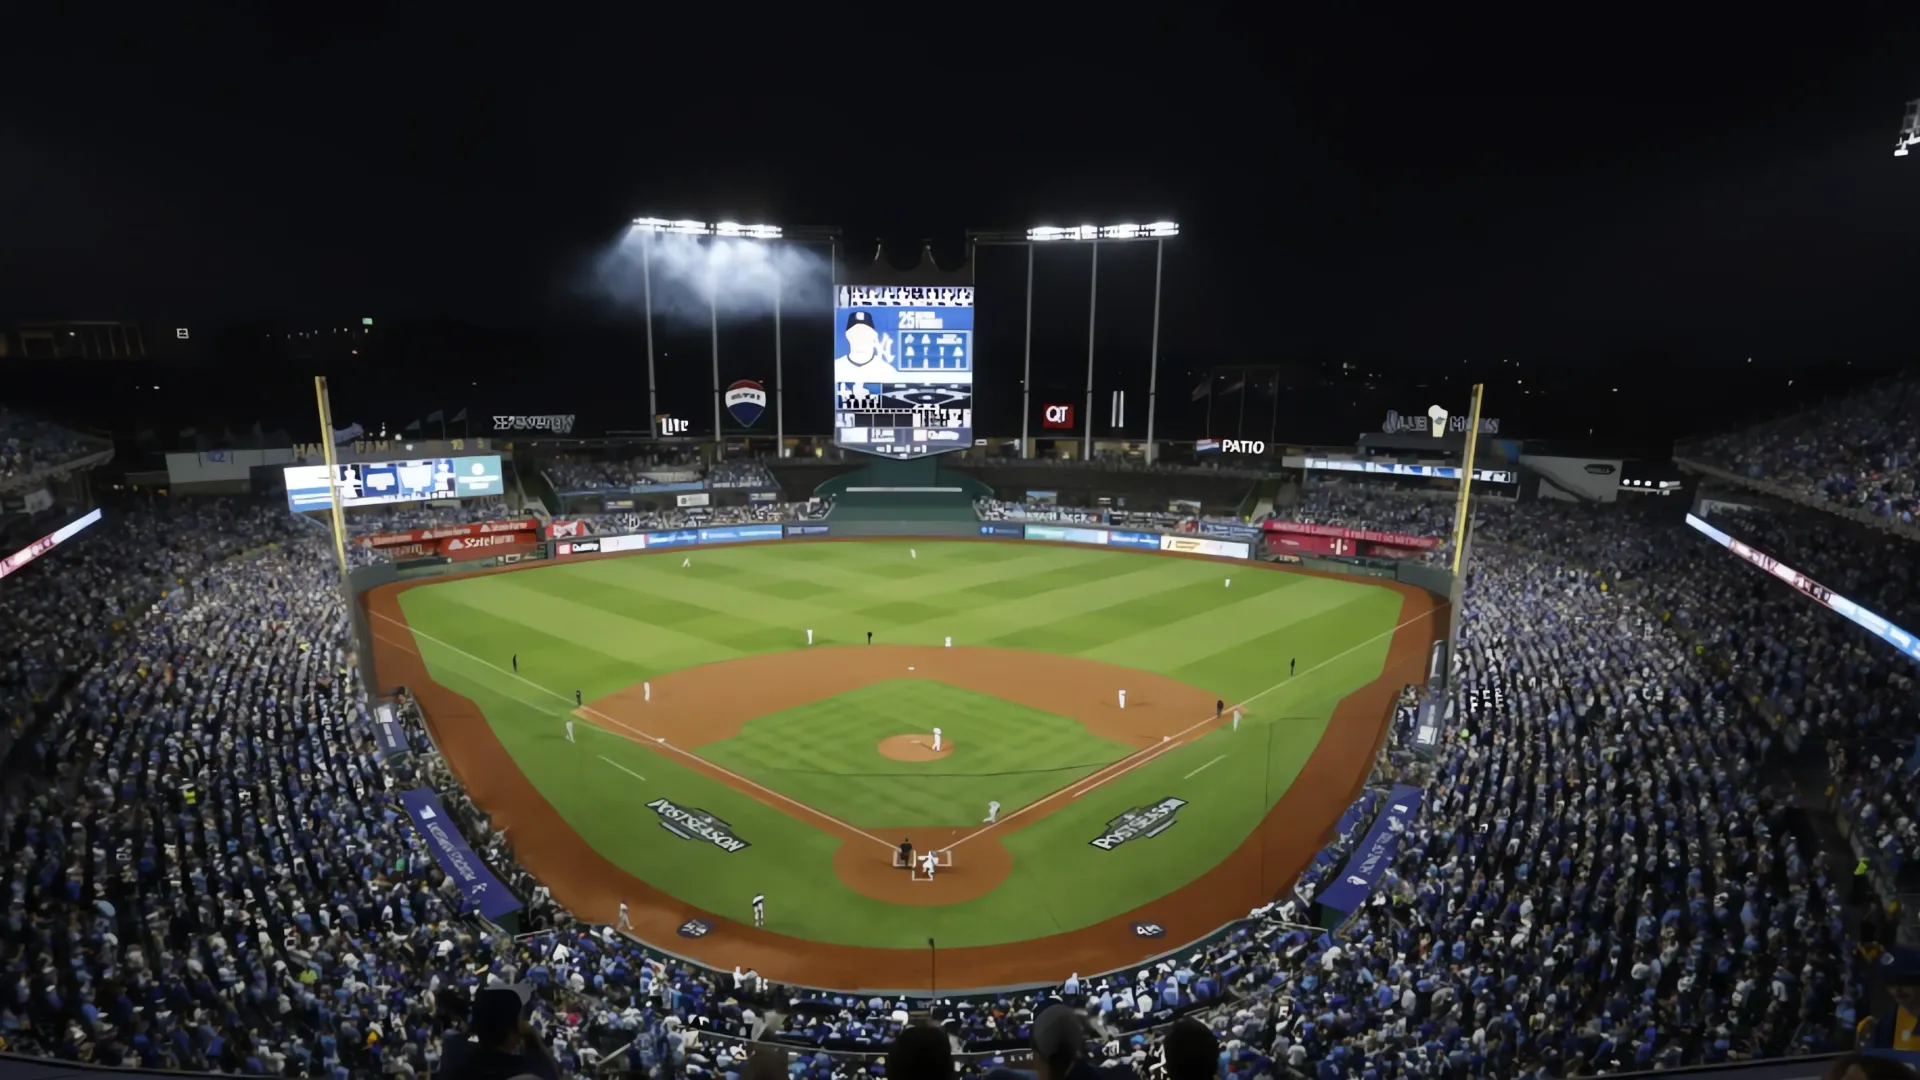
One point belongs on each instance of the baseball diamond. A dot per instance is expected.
(721, 756)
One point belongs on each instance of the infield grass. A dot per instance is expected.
(603, 625)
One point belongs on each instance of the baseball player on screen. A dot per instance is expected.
(867, 357)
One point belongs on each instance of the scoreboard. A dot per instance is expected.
(903, 369)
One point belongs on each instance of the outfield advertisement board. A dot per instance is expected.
(449, 532)
(1150, 541)
(733, 534)
(373, 483)
(1067, 535)
(1003, 529)
(1197, 545)
(807, 530)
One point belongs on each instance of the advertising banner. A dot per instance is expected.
(1375, 853)
(633, 542)
(903, 368)
(469, 548)
(763, 496)
(448, 532)
(1196, 545)
(1394, 468)
(635, 489)
(673, 538)
(559, 529)
(577, 547)
(45, 544)
(1056, 416)
(1150, 541)
(1043, 498)
(1401, 540)
(735, 533)
(618, 504)
(1005, 529)
(807, 530)
(456, 857)
(389, 740)
(745, 401)
(1232, 530)
(372, 483)
(1071, 536)
(686, 501)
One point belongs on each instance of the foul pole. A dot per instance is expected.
(333, 477)
(1460, 509)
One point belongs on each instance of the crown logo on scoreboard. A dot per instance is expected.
(746, 400)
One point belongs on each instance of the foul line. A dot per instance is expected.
(1189, 776)
(1140, 757)
(652, 741)
(619, 766)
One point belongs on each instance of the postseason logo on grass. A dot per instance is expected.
(689, 823)
(1141, 821)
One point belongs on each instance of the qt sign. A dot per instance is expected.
(1056, 416)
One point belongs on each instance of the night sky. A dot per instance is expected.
(1634, 197)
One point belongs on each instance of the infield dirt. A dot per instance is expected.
(590, 885)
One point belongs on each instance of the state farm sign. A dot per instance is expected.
(1056, 416)
(472, 543)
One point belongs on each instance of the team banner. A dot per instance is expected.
(448, 532)
(1375, 853)
(457, 857)
(1402, 540)
(559, 530)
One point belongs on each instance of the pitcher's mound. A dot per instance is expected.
(914, 748)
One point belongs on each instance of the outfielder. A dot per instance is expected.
(1229, 583)
(993, 813)
(646, 691)
(949, 643)
(936, 740)
(1236, 719)
(928, 863)
(686, 562)
(569, 731)
(809, 635)
(1123, 699)
(913, 553)
(759, 909)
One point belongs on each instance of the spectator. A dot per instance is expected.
(920, 1052)
(1192, 1051)
(501, 1045)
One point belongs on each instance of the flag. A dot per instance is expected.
(1207, 446)
(460, 417)
(415, 426)
(1238, 385)
(348, 434)
(436, 417)
(1204, 389)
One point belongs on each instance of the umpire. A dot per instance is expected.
(906, 854)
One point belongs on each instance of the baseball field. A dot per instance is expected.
(736, 733)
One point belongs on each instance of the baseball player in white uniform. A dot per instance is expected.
(759, 909)
(1229, 583)
(569, 731)
(913, 553)
(809, 636)
(949, 643)
(993, 813)
(1123, 699)
(1236, 719)
(686, 562)
(936, 740)
(928, 863)
(625, 923)
(646, 691)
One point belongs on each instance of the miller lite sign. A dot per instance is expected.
(671, 426)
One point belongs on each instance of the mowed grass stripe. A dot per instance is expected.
(605, 625)
(1120, 608)
(1220, 619)
(945, 571)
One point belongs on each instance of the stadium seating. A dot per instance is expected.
(209, 869)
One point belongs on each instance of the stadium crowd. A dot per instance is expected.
(1860, 451)
(211, 870)
(29, 446)
(581, 472)
(369, 520)
(627, 521)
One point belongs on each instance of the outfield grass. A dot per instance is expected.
(603, 625)
(826, 755)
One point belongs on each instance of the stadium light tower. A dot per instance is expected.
(1909, 130)
(1158, 232)
(648, 227)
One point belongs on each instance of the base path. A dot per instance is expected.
(591, 886)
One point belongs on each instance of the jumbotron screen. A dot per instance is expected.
(903, 369)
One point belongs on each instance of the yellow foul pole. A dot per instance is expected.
(333, 474)
(1466, 480)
